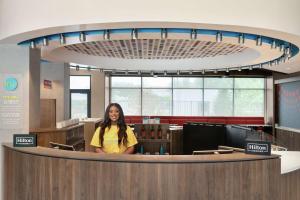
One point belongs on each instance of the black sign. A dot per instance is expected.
(24, 140)
(258, 147)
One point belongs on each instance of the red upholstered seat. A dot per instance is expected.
(164, 121)
(217, 120)
(136, 121)
(180, 120)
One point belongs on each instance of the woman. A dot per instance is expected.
(113, 135)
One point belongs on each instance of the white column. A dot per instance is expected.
(19, 93)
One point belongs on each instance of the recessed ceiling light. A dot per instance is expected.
(106, 35)
(45, 41)
(273, 44)
(219, 37)
(259, 41)
(134, 34)
(164, 33)
(241, 38)
(62, 39)
(82, 37)
(193, 34)
(32, 44)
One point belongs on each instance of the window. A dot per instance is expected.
(220, 83)
(129, 99)
(125, 82)
(189, 96)
(126, 91)
(80, 96)
(157, 96)
(157, 102)
(80, 82)
(191, 106)
(218, 96)
(218, 102)
(159, 82)
(191, 88)
(249, 97)
(187, 82)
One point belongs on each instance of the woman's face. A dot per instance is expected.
(114, 114)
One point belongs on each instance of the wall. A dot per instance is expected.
(276, 77)
(58, 73)
(271, 14)
(97, 91)
(286, 137)
(27, 70)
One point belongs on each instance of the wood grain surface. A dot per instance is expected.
(288, 139)
(30, 176)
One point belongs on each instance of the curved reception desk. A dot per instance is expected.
(41, 173)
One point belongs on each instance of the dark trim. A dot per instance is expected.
(287, 80)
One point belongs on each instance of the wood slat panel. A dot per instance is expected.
(288, 139)
(33, 177)
(48, 113)
(290, 185)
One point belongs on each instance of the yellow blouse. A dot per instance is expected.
(110, 140)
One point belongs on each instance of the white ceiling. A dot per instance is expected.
(23, 20)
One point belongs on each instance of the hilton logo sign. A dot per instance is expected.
(24, 140)
(258, 147)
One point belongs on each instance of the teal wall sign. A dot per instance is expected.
(10, 84)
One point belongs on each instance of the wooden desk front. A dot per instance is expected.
(43, 173)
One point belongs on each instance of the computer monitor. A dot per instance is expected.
(202, 136)
(61, 146)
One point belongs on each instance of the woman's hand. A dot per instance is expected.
(99, 150)
(129, 150)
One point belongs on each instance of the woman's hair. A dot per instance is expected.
(122, 135)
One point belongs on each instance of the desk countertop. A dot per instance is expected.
(235, 157)
(290, 160)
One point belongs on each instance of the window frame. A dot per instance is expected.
(81, 91)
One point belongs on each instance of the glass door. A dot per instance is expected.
(80, 96)
(80, 104)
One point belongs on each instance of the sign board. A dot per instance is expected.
(11, 102)
(24, 140)
(10, 84)
(47, 84)
(258, 147)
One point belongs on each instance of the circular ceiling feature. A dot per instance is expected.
(165, 49)
(156, 49)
